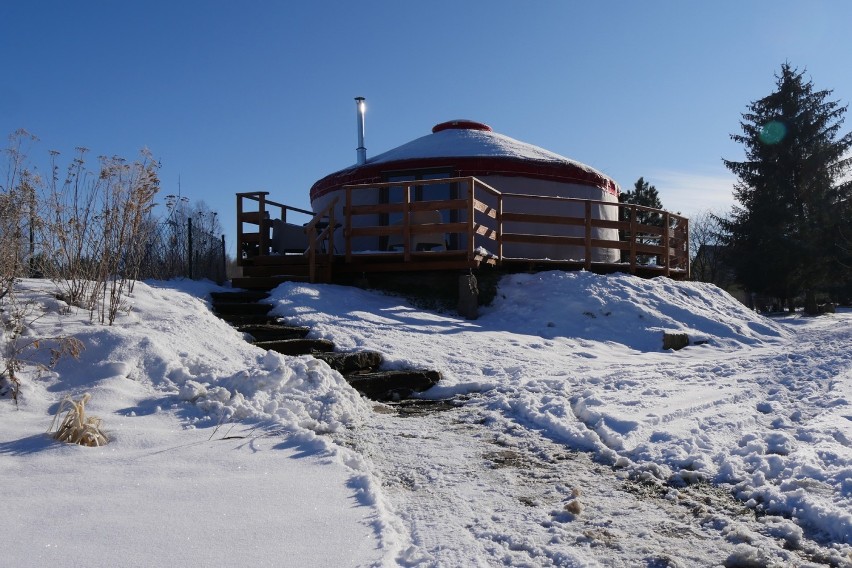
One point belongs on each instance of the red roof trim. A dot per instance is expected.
(467, 166)
(461, 125)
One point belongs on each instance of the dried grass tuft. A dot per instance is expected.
(76, 427)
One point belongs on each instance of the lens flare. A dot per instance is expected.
(773, 132)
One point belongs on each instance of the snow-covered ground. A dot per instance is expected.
(573, 440)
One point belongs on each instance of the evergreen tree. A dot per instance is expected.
(783, 233)
(645, 194)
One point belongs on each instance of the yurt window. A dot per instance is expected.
(436, 192)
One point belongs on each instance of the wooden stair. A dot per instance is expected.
(247, 311)
(267, 272)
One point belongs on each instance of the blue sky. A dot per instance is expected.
(258, 95)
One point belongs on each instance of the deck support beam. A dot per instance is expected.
(468, 296)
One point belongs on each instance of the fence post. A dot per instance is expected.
(632, 239)
(189, 246)
(667, 243)
(224, 262)
(686, 248)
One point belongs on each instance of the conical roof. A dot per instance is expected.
(468, 148)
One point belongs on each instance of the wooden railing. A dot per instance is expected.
(405, 229)
(320, 232)
(257, 243)
(478, 221)
(481, 212)
(262, 214)
(641, 241)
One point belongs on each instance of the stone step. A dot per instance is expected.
(244, 310)
(239, 296)
(348, 363)
(238, 320)
(297, 346)
(393, 385)
(273, 331)
(240, 308)
(421, 407)
(264, 282)
(291, 273)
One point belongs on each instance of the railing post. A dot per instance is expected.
(406, 225)
(686, 249)
(632, 239)
(347, 225)
(588, 219)
(263, 228)
(224, 262)
(668, 228)
(240, 230)
(471, 222)
(312, 253)
(500, 228)
(330, 243)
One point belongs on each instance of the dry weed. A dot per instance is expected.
(76, 427)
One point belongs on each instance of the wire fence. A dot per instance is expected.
(183, 245)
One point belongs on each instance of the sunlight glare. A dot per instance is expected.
(773, 132)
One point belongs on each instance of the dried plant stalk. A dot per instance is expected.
(76, 427)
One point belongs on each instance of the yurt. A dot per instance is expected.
(462, 148)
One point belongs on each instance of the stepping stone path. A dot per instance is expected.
(248, 313)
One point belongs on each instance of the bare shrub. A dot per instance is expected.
(68, 237)
(708, 262)
(93, 232)
(19, 350)
(18, 214)
(128, 197)
(96, 230)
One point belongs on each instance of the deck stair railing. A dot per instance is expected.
(261, 215)
(320, 232)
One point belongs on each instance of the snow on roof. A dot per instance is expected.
(465, 138)
(473, 149)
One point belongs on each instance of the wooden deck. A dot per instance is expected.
(477, 229)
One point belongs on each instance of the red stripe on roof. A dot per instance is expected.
(463, 167)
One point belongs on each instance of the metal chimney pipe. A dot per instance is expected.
(362, 151)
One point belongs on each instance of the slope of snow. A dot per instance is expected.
(763, 405)
(578, 442)
(170, 488)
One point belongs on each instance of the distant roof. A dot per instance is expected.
(468, 148)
